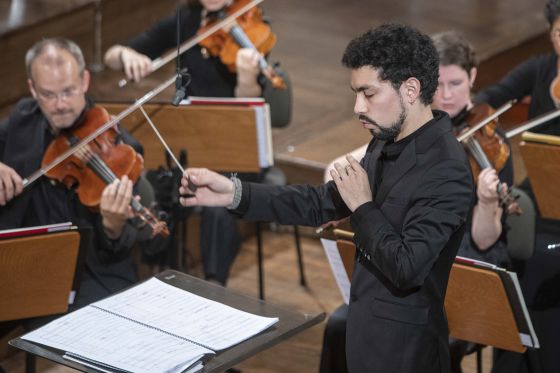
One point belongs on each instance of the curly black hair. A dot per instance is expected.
(552, 11)
(398, 52)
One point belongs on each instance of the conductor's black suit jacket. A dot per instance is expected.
(407, 239)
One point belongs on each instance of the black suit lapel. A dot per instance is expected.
(406, 160)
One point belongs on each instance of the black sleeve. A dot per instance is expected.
(109, 250)
(158, 39)
(292, 204)
(517, 84)
(3, 133)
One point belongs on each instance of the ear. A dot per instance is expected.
(472, 76)
(31, 88)
(411, 90)
(85, 81)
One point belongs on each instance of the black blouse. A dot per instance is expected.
(209, 77)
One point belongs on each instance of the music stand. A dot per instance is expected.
(38, 274)
(482, 304)
(482, 307)
(289, 324)
(542, 161)
(225, 138)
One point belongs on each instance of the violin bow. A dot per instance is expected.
(533, 123)
(486, 120)
(188, 44)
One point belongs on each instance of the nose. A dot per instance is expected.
(60, 103)
(445, 91)
(360, 104)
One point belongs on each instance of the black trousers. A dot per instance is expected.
(333, 355)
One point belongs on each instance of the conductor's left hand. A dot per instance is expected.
(352, 183)
(200, 186)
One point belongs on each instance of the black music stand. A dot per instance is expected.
(289, 324)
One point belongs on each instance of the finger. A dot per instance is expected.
(199, 176)
(109, 192)
(8, 188)
(353, 162)
(146, 67)
(2, 194)
(339, 169)
(188, 201)
(135, 71)
(18, 183)
(124, 194)
(128, 68)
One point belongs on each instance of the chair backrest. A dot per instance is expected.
(521, 233)
(280, 100)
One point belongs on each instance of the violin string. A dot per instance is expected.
(167, 148)
(100, 166)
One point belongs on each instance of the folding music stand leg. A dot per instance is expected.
(479, 360)
(260, 259)
(302, 280)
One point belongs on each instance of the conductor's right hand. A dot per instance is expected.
(10, 184)
(200, 186)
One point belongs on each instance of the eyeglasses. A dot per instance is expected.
(51, 97)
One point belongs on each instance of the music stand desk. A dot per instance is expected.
(289, 323)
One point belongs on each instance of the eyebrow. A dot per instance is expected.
(361, 88)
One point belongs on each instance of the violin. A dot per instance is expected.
(247, 31)
(99, 163)
(487, 148)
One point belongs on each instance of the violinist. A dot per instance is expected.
(209, 76)
(58, 82)
(535, 77)
(220, 238)
(486, 237)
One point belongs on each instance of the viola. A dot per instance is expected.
(97, 164)
(247, 31)
(487, 148)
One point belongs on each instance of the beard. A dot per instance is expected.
(391, 132)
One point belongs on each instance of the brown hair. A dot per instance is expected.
(454, 49)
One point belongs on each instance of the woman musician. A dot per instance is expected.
(210, 77)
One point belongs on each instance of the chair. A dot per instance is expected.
(521, 234)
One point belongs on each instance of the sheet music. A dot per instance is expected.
(264, 136)
(116, 342)
(529, 340)
(337, 267)
(187, 315)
